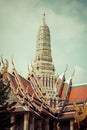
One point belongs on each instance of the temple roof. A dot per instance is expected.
(30, 93)
(27, 95)
(30, 96)
(78, 93)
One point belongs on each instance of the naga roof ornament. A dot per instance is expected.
(5, 66)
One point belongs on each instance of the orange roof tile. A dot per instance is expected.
(13, 80)
(26, 83)
(63, 90)
(78, 93)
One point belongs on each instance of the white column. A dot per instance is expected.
(49, 81)
(42, 81)
(71, 125)
(12, 121)
(31, 123)
(45, 80)
(26, 121)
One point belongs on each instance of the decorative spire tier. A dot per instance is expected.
(43, 59)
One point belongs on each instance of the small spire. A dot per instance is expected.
(44, 18)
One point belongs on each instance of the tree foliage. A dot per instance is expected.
(6, 108)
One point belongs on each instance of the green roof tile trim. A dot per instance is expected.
(79, 85)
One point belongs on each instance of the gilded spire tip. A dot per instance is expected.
(44, 18)
(44, 14)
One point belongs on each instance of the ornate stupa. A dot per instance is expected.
(43, 59)
(43, 65)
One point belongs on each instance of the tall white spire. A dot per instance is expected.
(43, 65)
(43, 59)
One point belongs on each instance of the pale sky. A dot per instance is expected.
(67, 20)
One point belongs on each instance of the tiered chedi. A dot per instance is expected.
(43, 65)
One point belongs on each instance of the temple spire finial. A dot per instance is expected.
(43, 58)
(44, 18)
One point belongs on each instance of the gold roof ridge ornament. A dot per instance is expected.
(32, 66)
(36, 83)
(23, 100)
(18, 80)
(13, 67)
(2, 60)
(45, 101)
(40, 108)
(28, 70)
(15, 91)
(13, 63)
(32, 98)
(5, 66)
(26, 90)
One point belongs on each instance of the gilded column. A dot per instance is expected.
(12, 120)
(71, 125)
(26, 121)
(31, 123)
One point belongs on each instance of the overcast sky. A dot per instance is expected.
(67, 20)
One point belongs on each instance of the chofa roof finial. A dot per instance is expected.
(13, 62)
(66, 69)
(73, 73)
